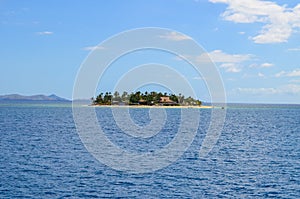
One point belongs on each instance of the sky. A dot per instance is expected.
(254, 44)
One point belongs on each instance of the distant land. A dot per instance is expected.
(17, 97)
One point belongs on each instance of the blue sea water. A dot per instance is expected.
(256, 156)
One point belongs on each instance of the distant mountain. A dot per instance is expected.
(32, 98)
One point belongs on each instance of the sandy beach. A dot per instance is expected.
(143, 106)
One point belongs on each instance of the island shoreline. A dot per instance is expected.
(145, 106)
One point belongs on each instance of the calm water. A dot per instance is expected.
(257, 156)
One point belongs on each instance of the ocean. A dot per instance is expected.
(256, 156)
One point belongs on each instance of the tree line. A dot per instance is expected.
(146, 98)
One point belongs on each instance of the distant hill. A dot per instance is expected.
(18, 97)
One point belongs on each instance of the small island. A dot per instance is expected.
(144, 99)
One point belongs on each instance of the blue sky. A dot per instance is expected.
(254, 44)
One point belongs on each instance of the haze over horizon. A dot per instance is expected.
(254, 44)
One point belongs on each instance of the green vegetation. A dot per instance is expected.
(147, 98)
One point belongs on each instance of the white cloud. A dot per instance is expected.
(291, 88)
(90, 48)
(174, 36)
(45, 33)
(280, 74)
(219, 56)
(256, 91)
(263, 65)
(280, 21)
(231, 67)
(261, 75)
(294, 49)
(285, 89)
(295, 81)
(294, 73)
(230, 62)
(266, 65)
(241, 33)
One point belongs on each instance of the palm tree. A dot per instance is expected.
(117, 97)
(124, 96)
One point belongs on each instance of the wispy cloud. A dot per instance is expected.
(221, 57)
(284, 89)
(280, 21)
(174, 36)
(260, 75)
(263, 65)
(230, 62)
(294, 73)
(91, 48)
(294, 49)
(295, 81)
(45, 33)
(231, 67)
(266, 65)
(256, 91)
